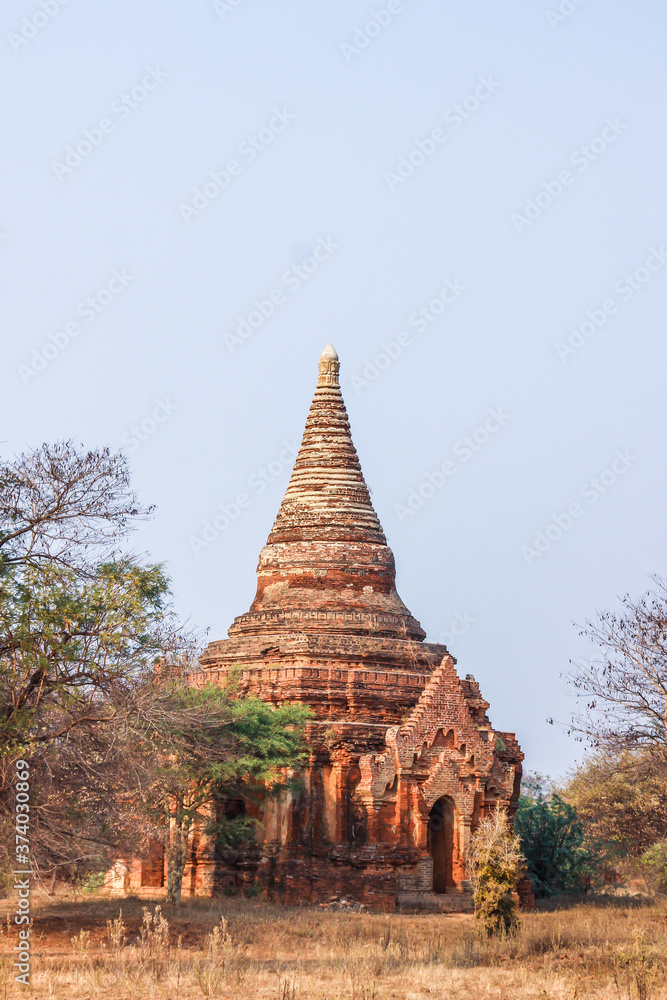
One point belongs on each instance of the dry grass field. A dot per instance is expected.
(234, 948)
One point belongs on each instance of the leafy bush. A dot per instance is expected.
(654, 860)
(92, 882)
(552, 842)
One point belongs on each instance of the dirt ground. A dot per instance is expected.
(239, 948)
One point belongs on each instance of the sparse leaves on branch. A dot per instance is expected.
(624, 688)
(65, 506)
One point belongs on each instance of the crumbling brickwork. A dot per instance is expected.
(404, 762)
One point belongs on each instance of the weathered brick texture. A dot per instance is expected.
(404, 761)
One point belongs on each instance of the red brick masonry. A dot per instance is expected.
(404, 761)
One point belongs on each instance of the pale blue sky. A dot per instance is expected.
(333, 126)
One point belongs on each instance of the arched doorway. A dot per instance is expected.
(441, 843)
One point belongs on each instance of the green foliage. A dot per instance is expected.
(553, 844)
(214, 743)
(68, 642)
(92, 882)
(495, 866)
(81, 625)
(654, 861)
(96, 680)
(212, 746)
(496, 908)
(78, 620)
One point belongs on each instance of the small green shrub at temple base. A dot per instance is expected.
(495, 866)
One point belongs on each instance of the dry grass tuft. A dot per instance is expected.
(229, 949)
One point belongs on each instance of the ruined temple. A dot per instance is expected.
(404, 762)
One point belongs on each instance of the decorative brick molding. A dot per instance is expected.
(404, 761)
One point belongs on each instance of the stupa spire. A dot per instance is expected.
(327, 496)
(326, 562)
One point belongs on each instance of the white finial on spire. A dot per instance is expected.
(329, 368)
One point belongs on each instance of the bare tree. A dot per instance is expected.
(623, 689)
(81, 624)
(95, 681)
(62, 505)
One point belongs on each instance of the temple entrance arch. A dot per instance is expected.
(443, 843)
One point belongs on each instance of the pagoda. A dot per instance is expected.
(404, 762)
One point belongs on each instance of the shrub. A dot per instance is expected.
(495, 866)
(92, 882)
(654, 860)
(637, 970)
(552, 842)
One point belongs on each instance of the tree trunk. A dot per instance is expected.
(177, 853)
